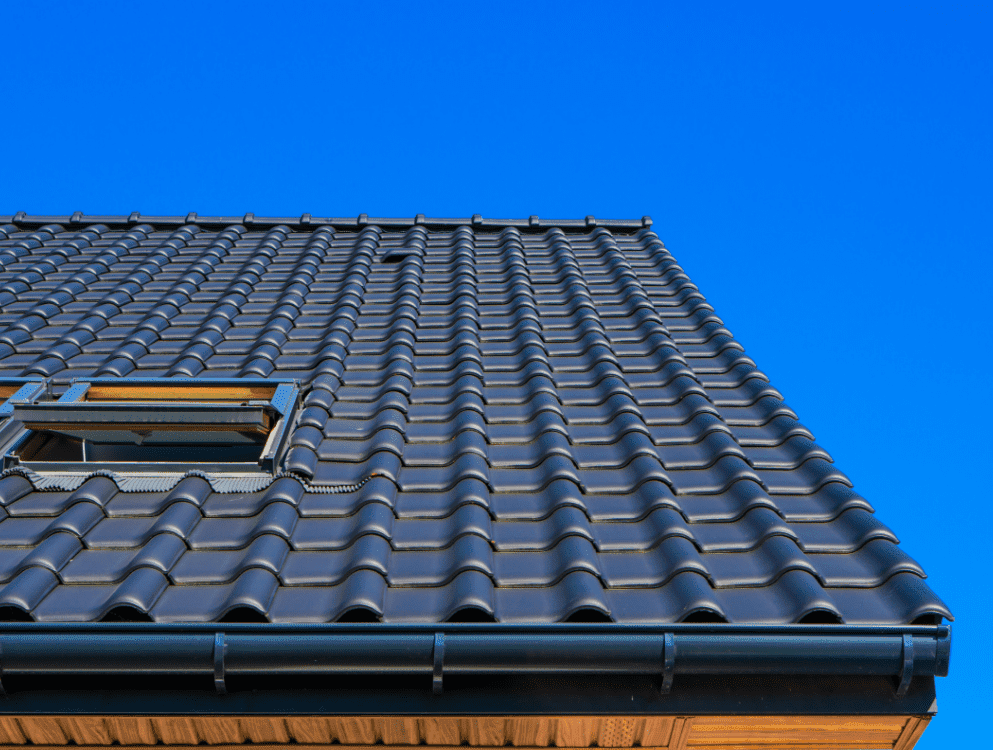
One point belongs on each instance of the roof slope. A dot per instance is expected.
(545, 423)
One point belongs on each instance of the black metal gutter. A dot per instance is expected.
(437, 651)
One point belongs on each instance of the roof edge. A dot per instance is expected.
(306, 221)
(218, 649)
(548, 695)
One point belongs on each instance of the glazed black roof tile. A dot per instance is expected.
(539, 421)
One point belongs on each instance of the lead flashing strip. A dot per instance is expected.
(223, 483)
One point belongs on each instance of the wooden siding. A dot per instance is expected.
(801, 732)
(448, 733)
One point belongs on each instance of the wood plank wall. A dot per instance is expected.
(448, 733)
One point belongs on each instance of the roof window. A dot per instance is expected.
(156, 425)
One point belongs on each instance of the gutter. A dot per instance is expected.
(222, 649)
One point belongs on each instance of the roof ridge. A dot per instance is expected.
(22, 219)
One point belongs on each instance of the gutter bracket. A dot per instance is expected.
(220, 649)
(907, 671)
(439, 663)
(668, 662)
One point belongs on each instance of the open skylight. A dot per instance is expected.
(157, 424)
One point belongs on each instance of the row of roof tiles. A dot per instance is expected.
(365, 595)
(97, 508)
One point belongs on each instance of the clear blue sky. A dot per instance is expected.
(823, 174)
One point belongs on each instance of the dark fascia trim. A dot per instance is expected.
(512, 695)
(306, 221)
(477, 650)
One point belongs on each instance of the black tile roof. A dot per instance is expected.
(541, 421)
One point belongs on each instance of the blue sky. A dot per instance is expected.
(822, 173)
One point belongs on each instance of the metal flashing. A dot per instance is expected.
(14, 391)
(20, 390)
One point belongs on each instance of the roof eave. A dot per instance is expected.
(666, 654)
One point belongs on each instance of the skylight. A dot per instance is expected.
(157, 424)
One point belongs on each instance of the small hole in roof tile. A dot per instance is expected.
(393, 257)
(244, 614)
(14, 614)
(587, 614)
(820, 617)
(359, 614)
(471, 614)
(703, 615)
(124, 613)
(928, 619)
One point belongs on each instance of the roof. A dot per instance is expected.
(517, 421)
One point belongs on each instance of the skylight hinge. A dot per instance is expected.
(74, 393)
(283, 397)
(23, 395)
